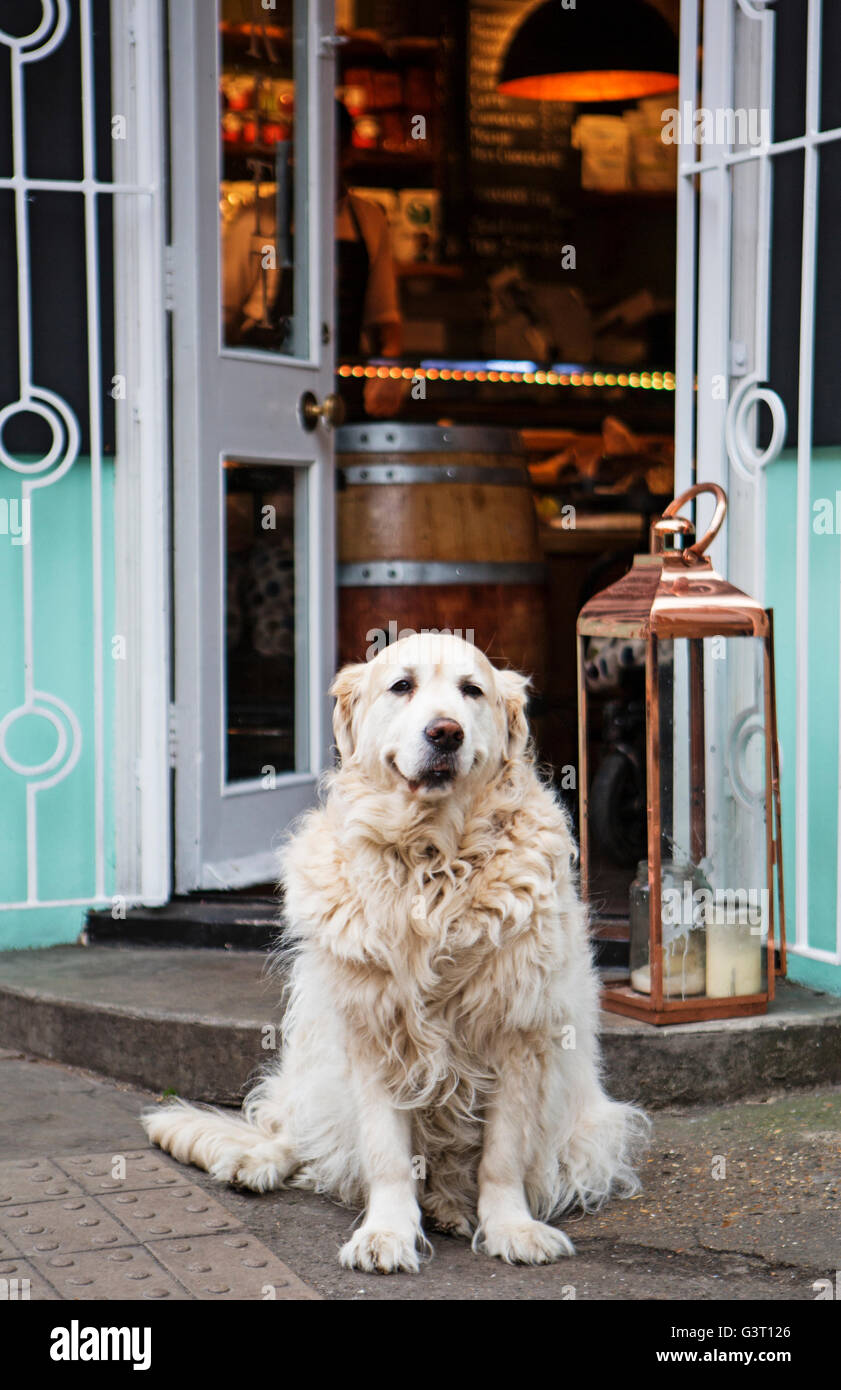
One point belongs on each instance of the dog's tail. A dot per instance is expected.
(600, 1159)
(208, 1138)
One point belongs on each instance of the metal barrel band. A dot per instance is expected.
(427, 439)
(413, 573)
(402, 473)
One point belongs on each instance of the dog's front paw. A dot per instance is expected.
(379, 1251)
(524, 1242)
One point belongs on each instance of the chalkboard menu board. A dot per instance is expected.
(521, 168)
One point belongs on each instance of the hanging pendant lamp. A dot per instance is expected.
(600, 50)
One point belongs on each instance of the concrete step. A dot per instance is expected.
(199, 1022)
(223, 921)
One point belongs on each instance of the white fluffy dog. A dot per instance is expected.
(440, 1051)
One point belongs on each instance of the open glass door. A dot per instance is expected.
(252, 307)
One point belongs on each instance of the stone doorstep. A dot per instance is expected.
(218, 921)
(200, 1022)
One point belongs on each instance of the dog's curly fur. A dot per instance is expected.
(440, 1035)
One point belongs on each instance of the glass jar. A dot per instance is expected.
(683, 901)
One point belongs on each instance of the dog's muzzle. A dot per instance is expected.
(443, 738)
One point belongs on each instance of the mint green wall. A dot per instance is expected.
(63, 666)
(824, 620)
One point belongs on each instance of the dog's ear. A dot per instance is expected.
(513, 692)
(347, 688)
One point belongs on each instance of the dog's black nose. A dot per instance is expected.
(445, 734)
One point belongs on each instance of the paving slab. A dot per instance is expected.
(135, 1171)
(59, 1226)
(33, 1179)
(172, 1241)
(131, 1272)
(181, 1210)
(200, 1022)
(225, 1267)
(25, 1282)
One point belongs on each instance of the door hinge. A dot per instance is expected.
(172, 736)
(169, 278)
(329, 43)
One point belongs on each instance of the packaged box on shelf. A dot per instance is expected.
(416, 235)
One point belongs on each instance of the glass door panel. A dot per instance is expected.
(262, 177)
(265, 685)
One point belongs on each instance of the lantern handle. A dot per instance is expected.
(719, 514)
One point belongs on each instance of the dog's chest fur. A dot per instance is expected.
(435, 961)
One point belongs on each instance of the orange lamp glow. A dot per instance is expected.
(617, 50)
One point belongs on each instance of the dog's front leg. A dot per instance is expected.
(390, 1235)
(506, 1225)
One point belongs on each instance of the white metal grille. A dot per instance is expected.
(66, 434)
(714, 289)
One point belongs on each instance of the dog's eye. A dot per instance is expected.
(472, 690)
(403, 687)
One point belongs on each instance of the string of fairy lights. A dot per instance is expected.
(531, 376)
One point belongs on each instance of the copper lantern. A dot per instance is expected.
(678, 777)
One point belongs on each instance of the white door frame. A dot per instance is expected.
(733, 303)
(225, 835)
(142, 811)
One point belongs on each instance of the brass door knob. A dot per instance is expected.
(331, 410)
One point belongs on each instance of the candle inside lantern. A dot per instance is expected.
(734, 950)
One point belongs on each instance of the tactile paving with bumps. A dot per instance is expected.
(128, 1226)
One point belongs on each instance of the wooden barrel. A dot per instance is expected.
(437, 530)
